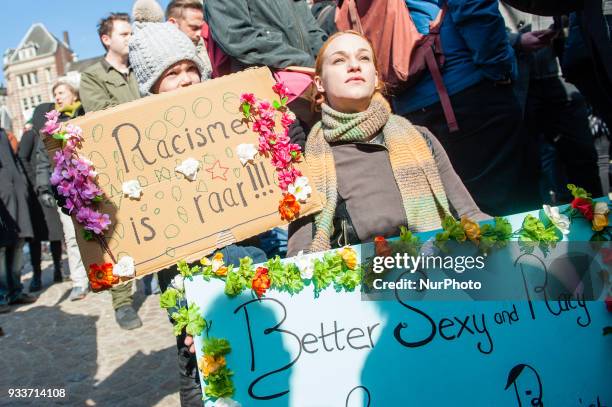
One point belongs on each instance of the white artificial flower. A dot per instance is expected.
(561, 221)
(132, 189)
(246, 152)
(124, 267)
(305, 265)
(178, 282)
(601, 208)
(189, 168)
(225, 402)
(300, 189)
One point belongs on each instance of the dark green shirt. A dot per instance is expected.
(103, 86)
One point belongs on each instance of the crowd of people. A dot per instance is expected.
(515, 105)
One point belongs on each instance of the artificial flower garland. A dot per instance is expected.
(75, 180)
(277, 146)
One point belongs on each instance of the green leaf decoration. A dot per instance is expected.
(187, 271)
(276, 104)
(348, 279)
(88, 235)
(180, 318)
(246, 110)
(325, 270)
(59, 136)
(216, 347)
(284, 101)
(219, 383)
(169, 298)
(578, 192)
(195, 322)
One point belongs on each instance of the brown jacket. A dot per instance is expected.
(369, 194)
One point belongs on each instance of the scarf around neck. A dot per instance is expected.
(414, 167)
(69, 110)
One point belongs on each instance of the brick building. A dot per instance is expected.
(30, 71)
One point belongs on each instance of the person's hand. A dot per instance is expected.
(535, 40)
(190, 344)
(47, 199)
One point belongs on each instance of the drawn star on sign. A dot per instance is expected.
(217, 171)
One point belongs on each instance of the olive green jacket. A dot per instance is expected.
(274, 33)
(103, 86)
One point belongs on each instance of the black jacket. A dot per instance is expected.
(15, 219)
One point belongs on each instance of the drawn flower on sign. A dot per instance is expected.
(246, 152)
(124, 267)
(132, 189)
(101, 276)
(189, 168)
(561, 221)
(300, 189)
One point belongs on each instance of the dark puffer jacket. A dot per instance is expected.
(274, 33)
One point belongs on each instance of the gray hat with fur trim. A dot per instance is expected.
(155, 46)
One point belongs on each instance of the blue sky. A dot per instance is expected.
(79, 18)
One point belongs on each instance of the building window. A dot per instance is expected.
(27, 79)
(21, 83)
(24, 104)
(39, 99)
(33, 78)
(32, 101)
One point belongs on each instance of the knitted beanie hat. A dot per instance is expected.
(155, 46)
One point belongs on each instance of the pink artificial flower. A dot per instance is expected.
(287, 119)
(287, 177)
(280, 89)
(296, 152)
(51, 125)
(280, 156)
(247, 98)
(264, 106)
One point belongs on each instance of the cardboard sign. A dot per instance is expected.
(176, 218)
(339, 350)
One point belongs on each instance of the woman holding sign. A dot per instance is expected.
(375, 170)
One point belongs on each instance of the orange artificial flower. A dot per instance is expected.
(210, 364)
(471, 229)
(349, 256)
(261, 281)
(101, 276)
(218, 265)
(381, 246)
(289, 207)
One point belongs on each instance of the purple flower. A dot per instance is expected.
(93, 220)
(64, 188)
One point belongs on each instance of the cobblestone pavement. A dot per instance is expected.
(77, 346)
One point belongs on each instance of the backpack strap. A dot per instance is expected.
(447, 107)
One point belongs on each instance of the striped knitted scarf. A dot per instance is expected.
(412, 162)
